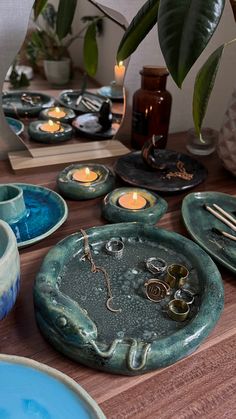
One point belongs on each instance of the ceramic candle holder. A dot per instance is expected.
(9, 269)
(55, 114)
(12, 206)
(74, 189)
(150, 214)
(36, 134)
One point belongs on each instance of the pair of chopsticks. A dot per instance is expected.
(225, 217)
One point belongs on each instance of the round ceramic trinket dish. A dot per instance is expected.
(9, 269)
(80, 181)
(33, 212)
(90, 303)
(34, 390)
(61, 114)
(49, 132)
(121, 204)
(25, 104)
(16, 125)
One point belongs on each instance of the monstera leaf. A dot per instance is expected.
(185, 27)
(65, 16)
(142, 23)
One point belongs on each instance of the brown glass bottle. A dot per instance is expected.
(151, 107)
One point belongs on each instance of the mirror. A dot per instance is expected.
(95, 103)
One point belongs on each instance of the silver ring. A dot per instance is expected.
(156, 266)
(185, 295)
(115, 248)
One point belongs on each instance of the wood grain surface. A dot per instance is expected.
(200, 386)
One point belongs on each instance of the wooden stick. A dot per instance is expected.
(224, 233)
(226, 214)
(220, 217)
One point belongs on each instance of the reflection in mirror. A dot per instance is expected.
(66, 75)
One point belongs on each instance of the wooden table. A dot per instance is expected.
(202, 385)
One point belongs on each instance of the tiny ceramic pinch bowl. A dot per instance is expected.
(9, 269)
(155, 208)
(73, 189)
(62, 135)
(69, 115)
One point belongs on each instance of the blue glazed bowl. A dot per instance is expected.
(9, 269)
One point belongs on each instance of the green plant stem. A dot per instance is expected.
(107, 14)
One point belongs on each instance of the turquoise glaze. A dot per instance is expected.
(199, 223)
(70, 300)
(49, 137)
(46, 211)
(12, 205)
(32, 390)
(154, 210)
(9, 269)
(16, 125)
(72, 189)
(70, 115)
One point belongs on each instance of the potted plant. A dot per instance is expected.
(52, 37)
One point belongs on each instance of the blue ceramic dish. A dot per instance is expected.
(46, 211)
(9, 270)
(16, 125)
(33, 390)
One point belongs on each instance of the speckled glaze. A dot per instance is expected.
(70, 115)
(72, 189)
(46, 211)
(199, 223)
(155, 209)
(48, 137)
(70, 301)
(9, 269)
(34, 390)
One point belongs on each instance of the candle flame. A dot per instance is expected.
(135, 196)
(87, 171)
(57, 109)
(120, 63)
(51, 123)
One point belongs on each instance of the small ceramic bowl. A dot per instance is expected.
(9, 269)
(12, 205)
(58, 114)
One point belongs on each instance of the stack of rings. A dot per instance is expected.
(115, 248)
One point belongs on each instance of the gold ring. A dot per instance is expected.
(178, 310)
(177, 275)
(156, 290)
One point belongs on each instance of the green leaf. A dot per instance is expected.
(185, 27)
(140, 26)
(38, 7)
(65, 16)
(203, 86)
(90, 50)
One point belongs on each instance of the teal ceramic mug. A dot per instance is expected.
(9, 269)
(12, 205)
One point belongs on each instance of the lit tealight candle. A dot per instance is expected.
(119, 73)
(56, 113)
(132, 200)
(50, 126)
(85, 175)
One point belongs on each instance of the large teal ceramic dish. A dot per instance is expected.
(46, 211)
(156, 207)
(31, 390)
(199, 223)
(9, 270)
(24, 103)
(70, 300)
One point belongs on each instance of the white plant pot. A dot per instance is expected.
(227, 137)
(57, 72)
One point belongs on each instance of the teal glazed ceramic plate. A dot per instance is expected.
(24, 103)
(107, 91)
(31, 390)
(199, 223)
(46, 212)
(16, 125)
(71, 302)
(69, 98)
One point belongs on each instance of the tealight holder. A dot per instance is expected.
(81, 182)
(133, 204)
(49, 132)
(60, 114)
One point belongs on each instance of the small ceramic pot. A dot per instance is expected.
(36, 134)
(62, 114)
(57, 72)
(9, 269)
(12, 205)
